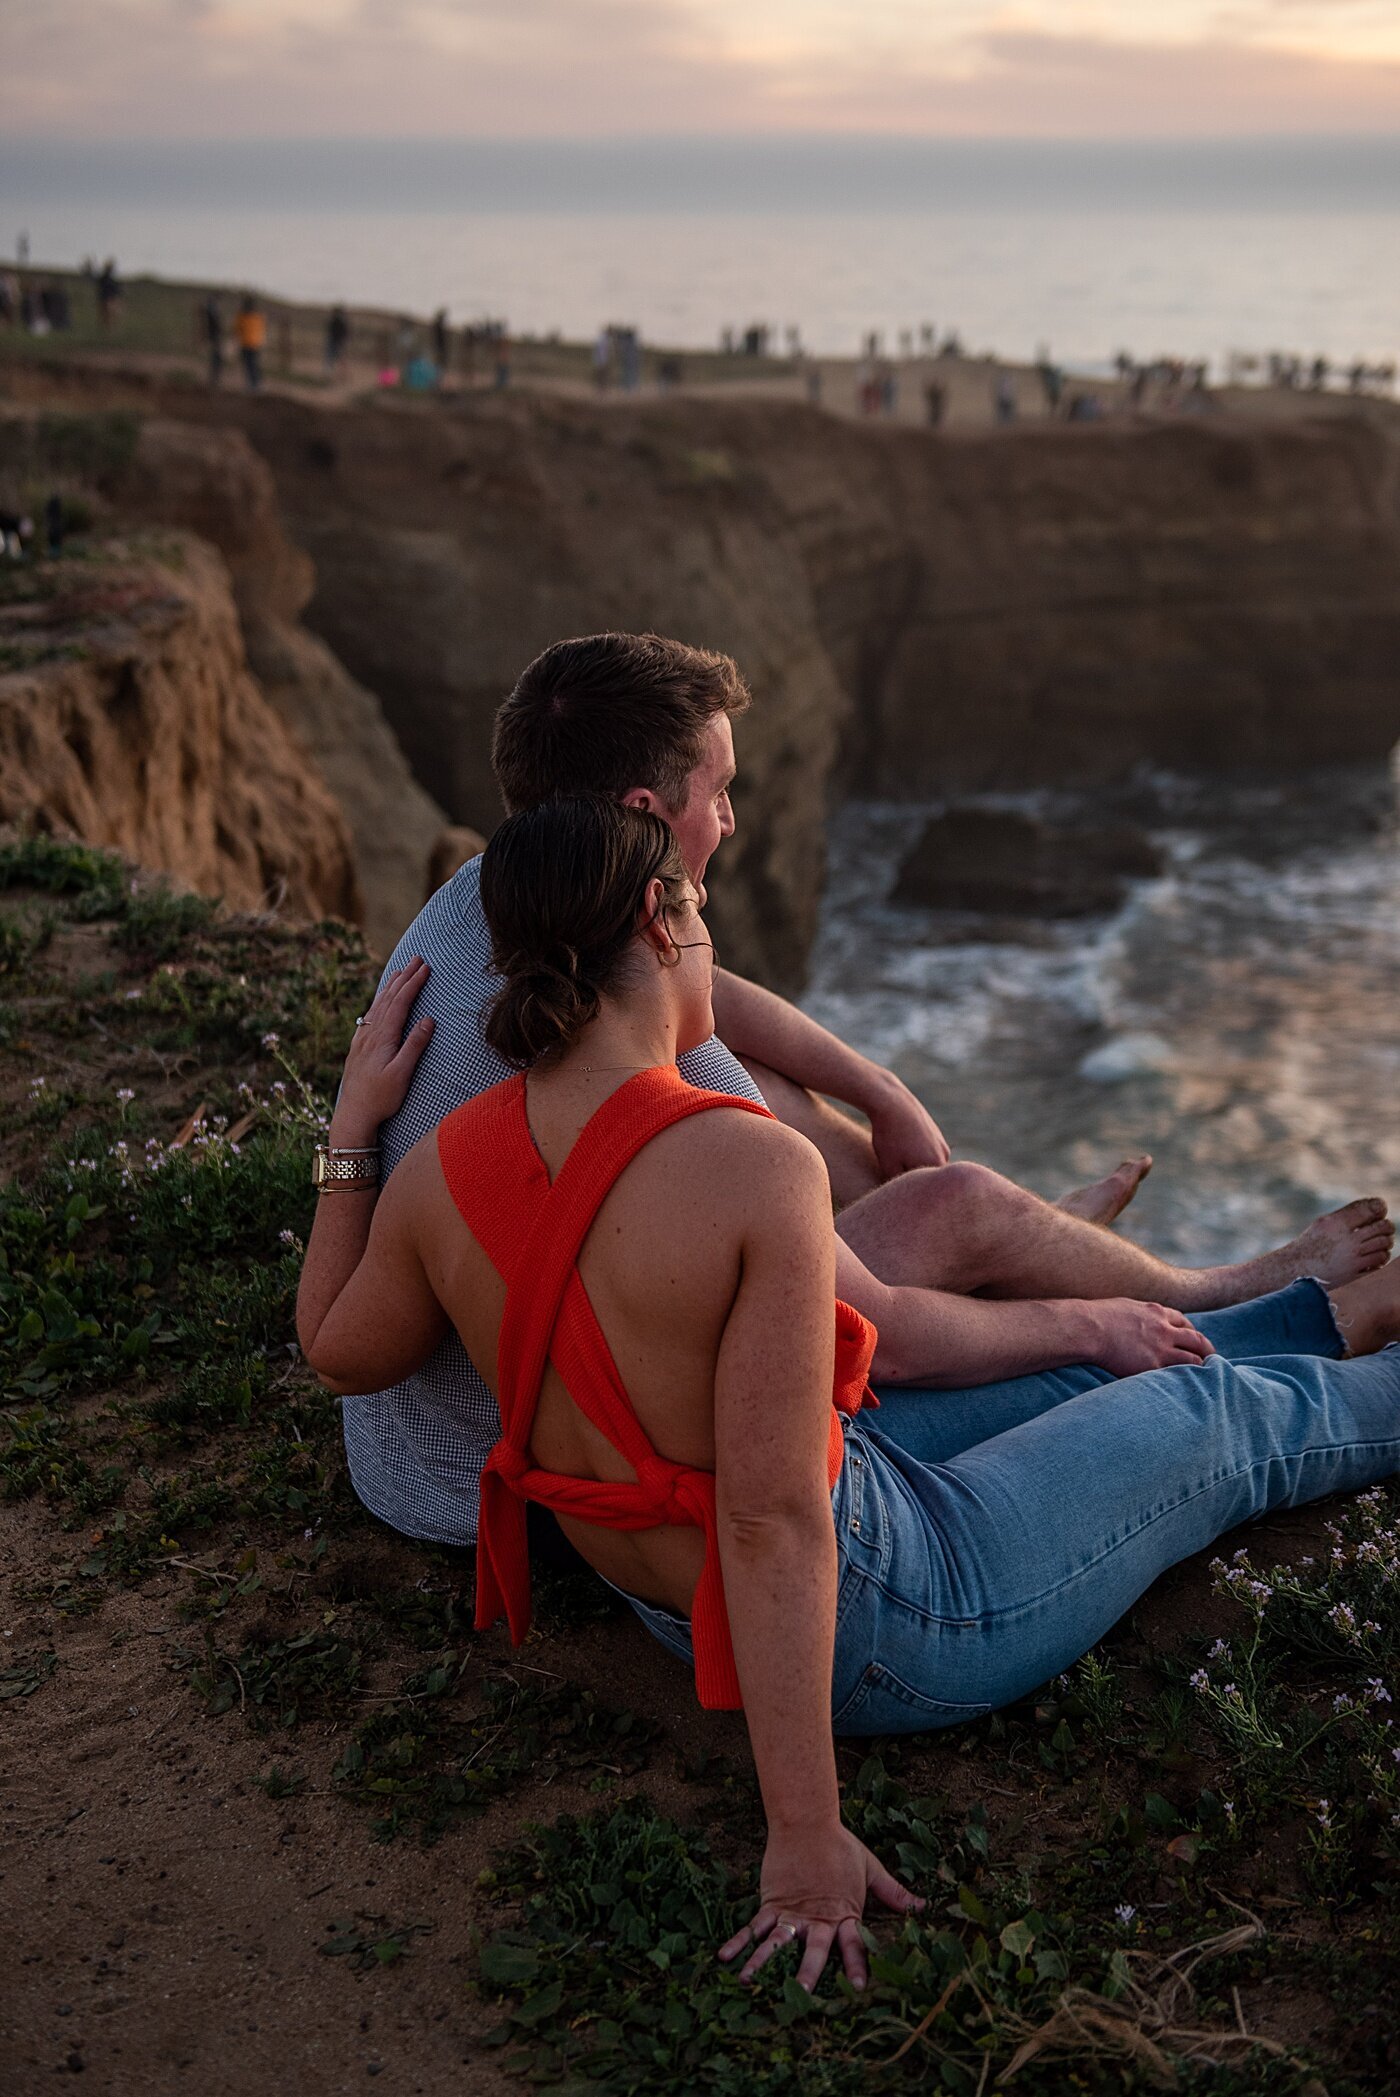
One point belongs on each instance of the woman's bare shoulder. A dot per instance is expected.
(738, 1154)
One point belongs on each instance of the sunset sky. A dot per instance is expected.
(146, 70)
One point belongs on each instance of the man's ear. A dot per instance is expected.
(642, 797)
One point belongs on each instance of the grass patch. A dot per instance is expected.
(1167, 1842)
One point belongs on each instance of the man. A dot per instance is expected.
(649, 720)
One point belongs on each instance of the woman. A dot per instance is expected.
(674, 1385)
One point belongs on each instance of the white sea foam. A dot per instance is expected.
(1237, 1018)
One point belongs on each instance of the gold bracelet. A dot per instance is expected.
(344, 1168)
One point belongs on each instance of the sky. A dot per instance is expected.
(152, 70)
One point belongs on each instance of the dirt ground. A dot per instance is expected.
(164, 1917)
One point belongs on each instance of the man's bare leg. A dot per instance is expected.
(853, 1171)
(965, 1229)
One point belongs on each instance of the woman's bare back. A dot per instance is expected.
(661, 1266)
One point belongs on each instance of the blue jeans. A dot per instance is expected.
(988, 1537)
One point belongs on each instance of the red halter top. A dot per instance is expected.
(532, 1234)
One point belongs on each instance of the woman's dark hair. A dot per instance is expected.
(609, 712)
(561, 886)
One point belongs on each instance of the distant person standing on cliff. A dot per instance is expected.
(337, 336)
(212, 321)
(250, 332)
(109, 294)
(442, 342)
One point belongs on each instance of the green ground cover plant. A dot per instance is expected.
(1172, 1869)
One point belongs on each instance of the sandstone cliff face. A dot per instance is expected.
(131, 721)
(449, 550)
(1197, 596)
(211, 481)
(918, 614)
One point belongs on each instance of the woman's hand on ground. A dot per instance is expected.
(382, 1057)
(1131, 1337)
(814, 1889)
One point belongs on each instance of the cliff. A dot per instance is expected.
(128, 718)
(211, 481)
(919, 614)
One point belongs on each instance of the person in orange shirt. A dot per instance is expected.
(250, 333)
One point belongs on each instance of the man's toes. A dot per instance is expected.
(1370, 1209)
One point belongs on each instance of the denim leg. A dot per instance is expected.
(936, 1425)
(968, 1582)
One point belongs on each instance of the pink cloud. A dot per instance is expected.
(608, 67)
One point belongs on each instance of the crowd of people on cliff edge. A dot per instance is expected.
(870, 1476)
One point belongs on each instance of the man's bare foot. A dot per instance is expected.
(1344, 1244)
(1107, 1199)
(1368, 1310)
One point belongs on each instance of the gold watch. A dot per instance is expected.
(343, 1168)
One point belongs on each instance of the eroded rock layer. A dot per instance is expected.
(130, 720)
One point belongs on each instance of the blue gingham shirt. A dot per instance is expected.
(416, 1450)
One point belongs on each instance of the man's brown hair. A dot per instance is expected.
(610, 712)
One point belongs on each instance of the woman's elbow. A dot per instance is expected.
(773, 1528)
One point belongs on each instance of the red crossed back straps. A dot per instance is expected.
(532, 1233)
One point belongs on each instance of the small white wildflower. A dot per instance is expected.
(1342, 1702)
(1230, 1690)
(125, 1095)
(130, 994)
(1124, 1914)
(1324, 1815)
(271, 1041)
(37, 1084)
(1219, 1651)
(1227, 1806)
(1379, 1693)
(1200, 1680)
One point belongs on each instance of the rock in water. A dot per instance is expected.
(991, 860)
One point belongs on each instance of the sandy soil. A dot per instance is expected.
(163, 1915)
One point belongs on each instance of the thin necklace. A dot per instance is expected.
(619, 1066)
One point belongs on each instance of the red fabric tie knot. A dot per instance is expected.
(668, 1487)
(508, 1463)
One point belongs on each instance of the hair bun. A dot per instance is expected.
(561, 886)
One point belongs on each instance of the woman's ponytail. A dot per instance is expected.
(561, 886)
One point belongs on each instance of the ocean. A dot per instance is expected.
(1194, 250)
(1237, 1018)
